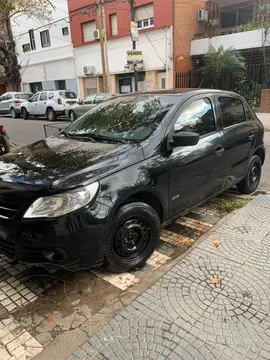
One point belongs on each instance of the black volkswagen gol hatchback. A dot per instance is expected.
(99, 191)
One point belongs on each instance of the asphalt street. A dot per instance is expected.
(28, 131)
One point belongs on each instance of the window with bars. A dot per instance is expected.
(144, 15)
(114, 25)
(45, 38)
(88, 30)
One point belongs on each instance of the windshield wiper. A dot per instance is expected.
(79, 136)
(105, 138)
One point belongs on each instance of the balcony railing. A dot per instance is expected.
(226, 31)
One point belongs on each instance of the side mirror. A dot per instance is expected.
(30, 100)
(186, 138)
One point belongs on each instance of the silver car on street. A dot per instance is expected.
(77, 110)
(11, 102)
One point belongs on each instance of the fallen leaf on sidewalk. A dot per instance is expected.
(50, 318)
(214, 280)
(216, 243)
(198, 234)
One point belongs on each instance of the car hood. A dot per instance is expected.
(59, 162)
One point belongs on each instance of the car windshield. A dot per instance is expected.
(23, 96)
(68, 94)
(131, 118)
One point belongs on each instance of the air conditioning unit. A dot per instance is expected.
(202, 15)
(96, 35)
(89, 70)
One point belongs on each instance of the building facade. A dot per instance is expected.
(45, 51)
(227, 23)
(154, 19)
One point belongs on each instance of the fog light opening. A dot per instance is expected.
(55, 255)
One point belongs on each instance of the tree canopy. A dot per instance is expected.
(39, 9)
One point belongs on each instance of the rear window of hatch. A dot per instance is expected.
(23, 96)
(67, 94)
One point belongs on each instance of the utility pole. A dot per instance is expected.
(105, 46)
(103, 60)
(132, 15)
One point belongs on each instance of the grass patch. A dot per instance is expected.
(226, 206)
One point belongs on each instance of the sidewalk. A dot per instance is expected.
(265, 119)
(213, 305)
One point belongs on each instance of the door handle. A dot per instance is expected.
(219, 151)
(251, 137)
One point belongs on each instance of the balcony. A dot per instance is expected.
(231, 24)
(239, 41)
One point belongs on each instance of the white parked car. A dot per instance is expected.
(49, 103)
(11, 102)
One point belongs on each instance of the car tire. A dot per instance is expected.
(132, 237)
(51, 115)
(25, 114)
(72, 116)
(4, 146)
(13, 113)
(252, 179)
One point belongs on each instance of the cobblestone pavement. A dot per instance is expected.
(37, 305)
(213, 305)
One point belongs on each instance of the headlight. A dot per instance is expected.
(61, 204)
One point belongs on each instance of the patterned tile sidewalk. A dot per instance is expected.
(213, 305)
(38, 305)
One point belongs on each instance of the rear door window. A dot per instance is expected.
(232, 111)
(198, 117)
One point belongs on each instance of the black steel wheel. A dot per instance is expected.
(132, 238)
(252, 179)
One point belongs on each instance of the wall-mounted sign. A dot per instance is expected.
(134, 31)
(134, 56)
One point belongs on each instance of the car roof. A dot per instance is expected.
(183, 93)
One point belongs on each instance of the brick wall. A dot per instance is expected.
(185, 26)
(265, 101)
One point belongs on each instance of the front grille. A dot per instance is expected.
(9, 206)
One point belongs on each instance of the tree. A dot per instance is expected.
(39, 9)
(218, 59)
(264, 12)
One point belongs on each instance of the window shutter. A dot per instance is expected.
(114, 24)
(144, 12)
(88, 30)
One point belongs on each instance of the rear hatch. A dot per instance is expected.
(69, 96)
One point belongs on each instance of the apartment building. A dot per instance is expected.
(154, 19)
(45, 51)
(230, 23)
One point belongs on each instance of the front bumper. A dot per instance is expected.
(72, 241)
